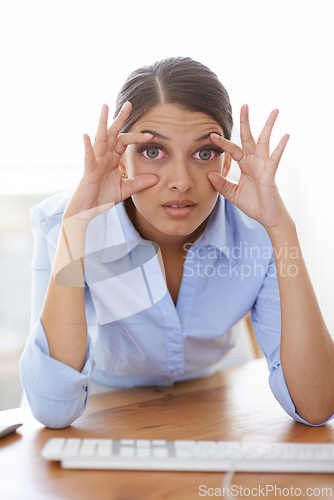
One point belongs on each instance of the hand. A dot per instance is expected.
(256, 194)
(101, 186)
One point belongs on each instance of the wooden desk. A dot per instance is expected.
(232, 405)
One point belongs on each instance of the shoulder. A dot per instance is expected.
(49, 212)
(243, 228)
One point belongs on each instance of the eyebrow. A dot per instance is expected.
(164, 137)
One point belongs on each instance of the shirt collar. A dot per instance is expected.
(119, 230)
(129, 231)
(218, 232)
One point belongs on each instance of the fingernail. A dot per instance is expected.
(126, 102)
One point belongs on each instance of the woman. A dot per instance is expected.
(155, 256)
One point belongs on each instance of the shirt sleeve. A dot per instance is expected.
(266, 320)
(57, 393)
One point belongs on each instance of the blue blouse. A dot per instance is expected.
(136, 334)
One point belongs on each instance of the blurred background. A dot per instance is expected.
(60, 61)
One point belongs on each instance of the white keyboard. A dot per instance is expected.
(158, 454)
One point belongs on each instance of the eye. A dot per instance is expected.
(154, 153)
(205, 154)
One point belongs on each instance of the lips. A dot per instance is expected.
(179, 208)
(179, 203)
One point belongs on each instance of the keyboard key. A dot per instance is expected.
(143, 452)
(184, 444)
(160, 452)
(184, 453)
(159, 442)
(127, 451)
(87, 448)
(143, 443)
(53, 449)
(71, 447)
(127, 441)
(104, 447)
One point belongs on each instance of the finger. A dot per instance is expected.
(276, 155)
(262, 147)
(225, 187)
(132, 186)
(117, 125)
(235, 151)
(247, 140)
(90, 160)
(100, 142)
(124, 140)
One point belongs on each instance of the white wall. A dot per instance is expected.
(61, 60)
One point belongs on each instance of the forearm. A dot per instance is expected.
(307, 349)
(63, 314)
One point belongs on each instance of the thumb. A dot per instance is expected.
(132, 186)
(223, 186)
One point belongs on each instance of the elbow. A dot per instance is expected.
(56, 414)
(52, 421)
(56, 419)
(317, 420)
(317, 416)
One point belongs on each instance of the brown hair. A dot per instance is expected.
(177, 80)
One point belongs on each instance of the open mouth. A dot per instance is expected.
(179, 203)
(179, 208)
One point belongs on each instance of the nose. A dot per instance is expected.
(179, 176)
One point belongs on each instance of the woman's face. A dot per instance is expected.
(181, 155)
